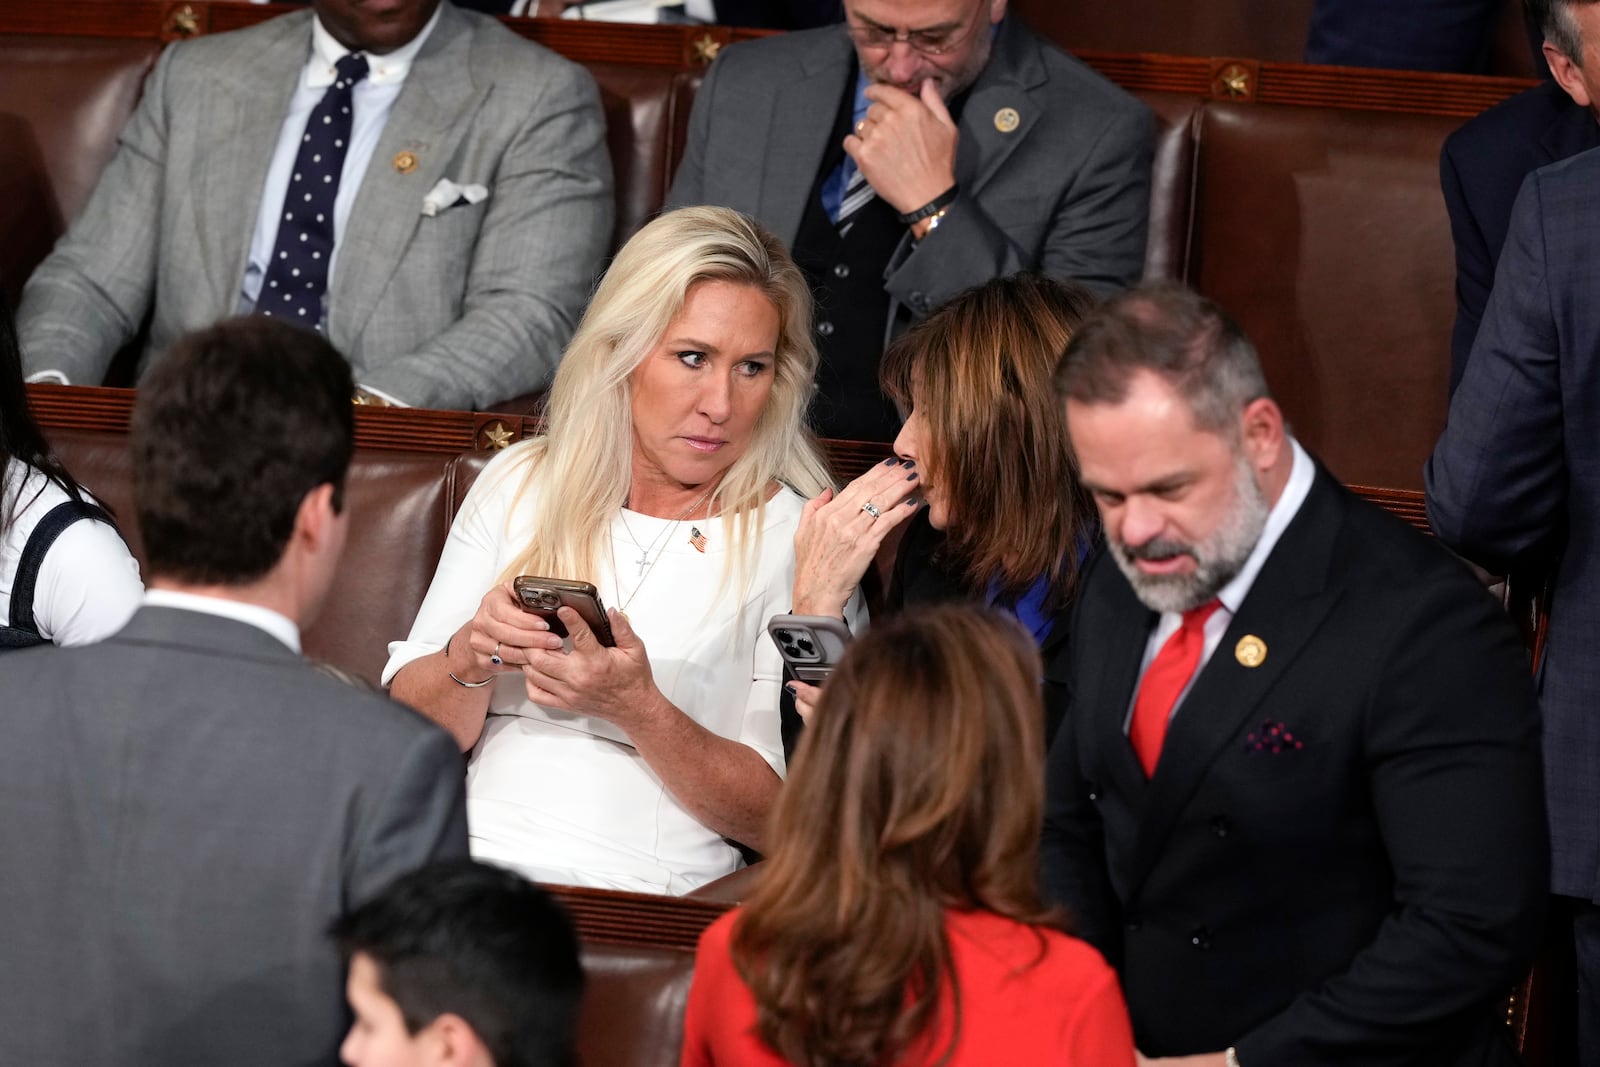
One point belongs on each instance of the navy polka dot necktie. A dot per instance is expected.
(297, 277)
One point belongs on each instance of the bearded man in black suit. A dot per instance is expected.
(1297, 798)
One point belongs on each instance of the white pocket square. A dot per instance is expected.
(448, 194)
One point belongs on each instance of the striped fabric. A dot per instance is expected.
(857, 195)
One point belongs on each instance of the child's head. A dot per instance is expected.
(460, 964)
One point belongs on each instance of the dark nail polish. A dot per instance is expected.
(891, 461)
(911, 477)
(909, 462)
(790, 687)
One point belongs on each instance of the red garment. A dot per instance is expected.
(1164, 681)
(1066, 1010)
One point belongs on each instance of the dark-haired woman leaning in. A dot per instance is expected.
(899, 920)
(985, 447)
(65, 575)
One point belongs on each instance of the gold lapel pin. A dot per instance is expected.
(1251, 651)
(1007, 119)
(405, 162)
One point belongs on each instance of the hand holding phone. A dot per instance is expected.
(810, 644)
(544, 596)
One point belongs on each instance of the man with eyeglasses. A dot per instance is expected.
(925, 147)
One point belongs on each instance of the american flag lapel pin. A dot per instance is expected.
(697, 539)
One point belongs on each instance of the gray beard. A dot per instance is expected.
(1218, 559)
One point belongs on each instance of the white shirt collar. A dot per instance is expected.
(279, 626)
(1295, 491)
(384, 70)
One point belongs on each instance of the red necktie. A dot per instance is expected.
(1163, 680)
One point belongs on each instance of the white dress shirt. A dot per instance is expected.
(278, 625)
(1295, 490)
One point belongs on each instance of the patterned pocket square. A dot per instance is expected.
(448, 194)
(1272, 738)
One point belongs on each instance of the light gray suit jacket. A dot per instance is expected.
(1067, 191)
(184, 808)
(462, 309)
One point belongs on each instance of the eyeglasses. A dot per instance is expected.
(935, 42)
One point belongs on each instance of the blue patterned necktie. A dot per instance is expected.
(297, 278)
(857, 195)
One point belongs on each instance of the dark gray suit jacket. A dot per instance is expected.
(1514, 482)
(461, 309)
(1340, 858)
(1066, 192)
(1481, 169)
(183, 810)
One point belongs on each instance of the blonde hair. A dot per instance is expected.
(584, 459)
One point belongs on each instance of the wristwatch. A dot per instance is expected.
(929, 224)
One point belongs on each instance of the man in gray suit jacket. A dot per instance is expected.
(187, 806)
(1514, 486)
(463, 228)
(984, 151)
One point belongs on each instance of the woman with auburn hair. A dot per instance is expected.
(671, 475)
(984, 446)
(898, 919)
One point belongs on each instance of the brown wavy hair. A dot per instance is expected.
(979, 370)
(918, 787)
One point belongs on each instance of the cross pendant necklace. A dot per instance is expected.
(646, 564)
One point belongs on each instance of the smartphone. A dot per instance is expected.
(810, 644)
(542, 596)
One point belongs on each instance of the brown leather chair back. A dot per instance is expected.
(640, 105)
(102, 464)
(26, 233)
(65, 99)
(400, 506)
(1325, 235)
(633, 1005)
(1171, 181)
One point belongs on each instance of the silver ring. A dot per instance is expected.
(871, 509)
(494, 657)
(861, 128)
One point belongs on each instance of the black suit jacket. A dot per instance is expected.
(1341, 857)
(1481, 168)
(920, 578)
